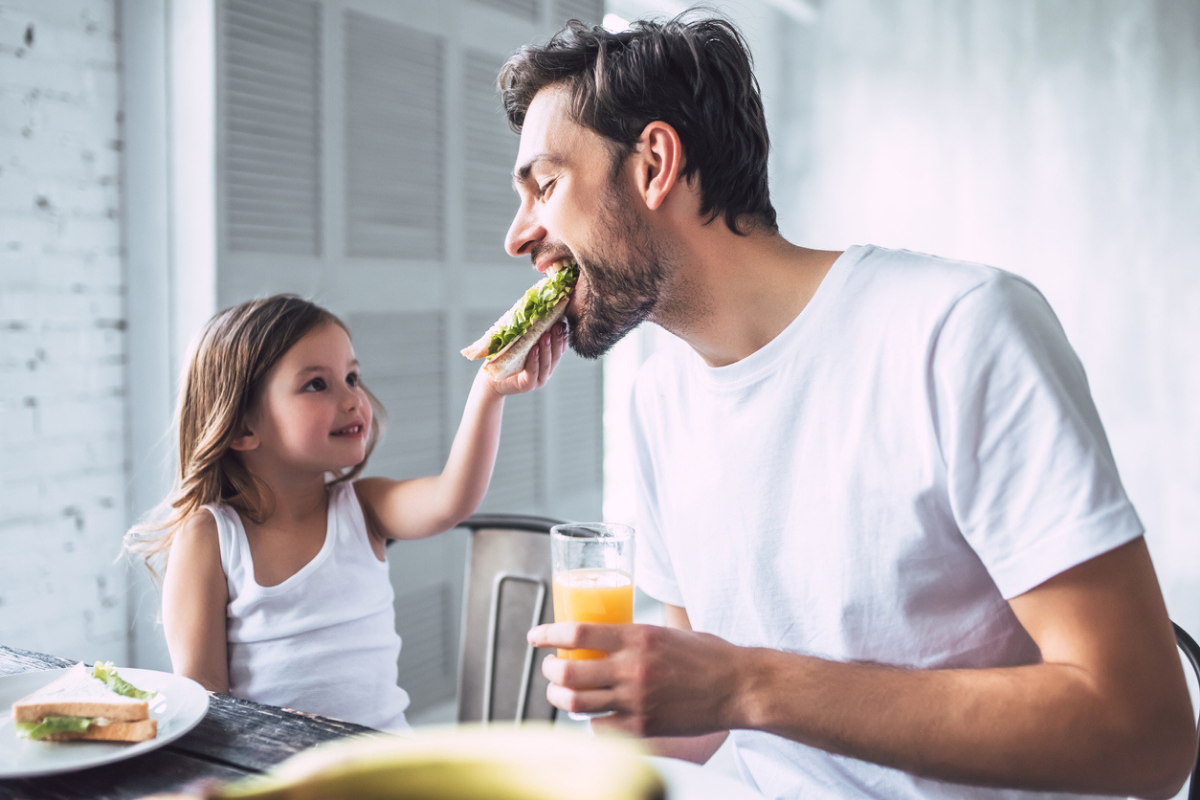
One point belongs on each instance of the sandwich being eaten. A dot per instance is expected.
(509, 340)
(95, 704)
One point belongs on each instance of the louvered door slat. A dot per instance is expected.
(491, 151)
(521, 9)
(251, 70)
(517, 477)
(271, 146)
(428, 653)
(589, 11)
(402, 363)
(393, 140)
(274, 13)
(576, 422)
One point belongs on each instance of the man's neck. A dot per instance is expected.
(731, 295)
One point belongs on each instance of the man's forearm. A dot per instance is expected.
(1042, 726)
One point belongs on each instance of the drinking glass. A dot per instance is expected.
(593, 580)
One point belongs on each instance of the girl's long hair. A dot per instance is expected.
(228, 364)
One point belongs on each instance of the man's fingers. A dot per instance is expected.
(582, 674)
(580, 700)
(572, 635)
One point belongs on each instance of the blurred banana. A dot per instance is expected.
(527, 763)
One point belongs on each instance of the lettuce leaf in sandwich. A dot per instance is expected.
(509, 340)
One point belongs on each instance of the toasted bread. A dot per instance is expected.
(139, 731)
(114, 716)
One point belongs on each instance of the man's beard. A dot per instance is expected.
(624, 279)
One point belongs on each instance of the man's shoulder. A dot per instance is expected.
(911, 266)
(915, 281)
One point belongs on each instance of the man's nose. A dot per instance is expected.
(524, 232)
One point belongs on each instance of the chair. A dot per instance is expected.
(508, 591)
(1192, 652)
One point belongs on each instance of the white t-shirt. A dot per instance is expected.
(918, 445)
(324, 641)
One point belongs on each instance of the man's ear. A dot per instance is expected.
(248, 440)
(661, 159)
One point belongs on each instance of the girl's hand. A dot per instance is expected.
(540, 362)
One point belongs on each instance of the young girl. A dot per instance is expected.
(276, 588)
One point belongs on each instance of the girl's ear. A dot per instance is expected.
(247, 441)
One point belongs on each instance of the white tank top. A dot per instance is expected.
(324, 641)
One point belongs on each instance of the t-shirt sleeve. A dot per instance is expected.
(1032, 481)
(653, 569)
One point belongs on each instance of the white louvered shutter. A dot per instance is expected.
(272, 136)
(575, 457)
(518, 477)
(402, 364)
(428, 665)
(491, 151)
(394, 170)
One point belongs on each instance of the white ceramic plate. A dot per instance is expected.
(688, 781)
(179, 705)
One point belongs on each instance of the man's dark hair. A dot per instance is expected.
(695, 75)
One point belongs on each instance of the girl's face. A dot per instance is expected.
(313, 415)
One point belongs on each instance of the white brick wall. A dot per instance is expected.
(62, 323)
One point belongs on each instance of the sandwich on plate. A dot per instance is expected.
(94, 704)
(509, 340)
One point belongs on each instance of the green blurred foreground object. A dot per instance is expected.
(528, 763)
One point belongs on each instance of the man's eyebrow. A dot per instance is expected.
(522, 173)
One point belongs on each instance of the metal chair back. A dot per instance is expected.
(1191, 652)
(508, 591)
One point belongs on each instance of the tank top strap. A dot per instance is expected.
(352, 531)
(234, 547)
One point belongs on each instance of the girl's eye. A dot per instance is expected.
(352, 380)
(545, 189)
(315, 385)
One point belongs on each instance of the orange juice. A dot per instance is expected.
(592, 595)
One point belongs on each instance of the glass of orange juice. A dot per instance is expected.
(593, 579)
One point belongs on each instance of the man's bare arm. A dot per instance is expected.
(1107, 711)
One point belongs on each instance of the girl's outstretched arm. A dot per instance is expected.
(412, 509)
(194, 598)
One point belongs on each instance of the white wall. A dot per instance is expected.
(1060, 141)
(62, 330)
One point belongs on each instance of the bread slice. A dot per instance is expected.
(139, 731)
(511, 358)
(78, 694)
(479, 348)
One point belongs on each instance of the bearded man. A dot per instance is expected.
(876, 499)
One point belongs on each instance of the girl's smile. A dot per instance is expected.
(353, 430)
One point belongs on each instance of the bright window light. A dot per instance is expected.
(615, 24)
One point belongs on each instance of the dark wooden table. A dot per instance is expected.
(235, 738)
